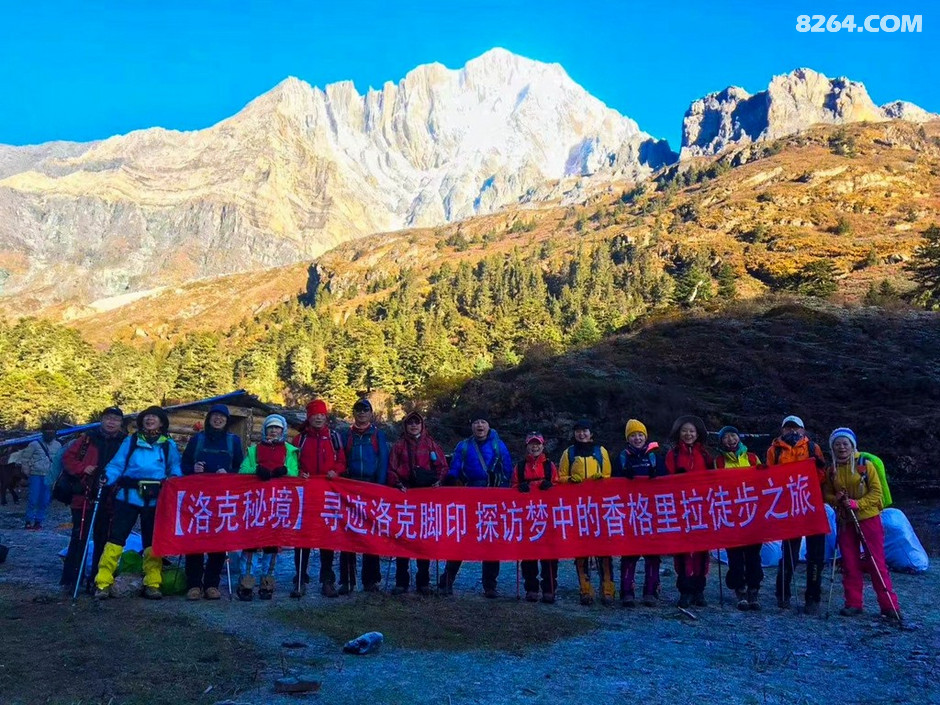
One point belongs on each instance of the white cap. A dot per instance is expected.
(793, 420)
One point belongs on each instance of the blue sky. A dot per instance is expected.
(89, 69)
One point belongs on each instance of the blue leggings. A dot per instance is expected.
(38, 500)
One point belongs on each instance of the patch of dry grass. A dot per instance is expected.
(445, 624)
(120, 653)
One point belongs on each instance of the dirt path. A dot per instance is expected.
(653, 655)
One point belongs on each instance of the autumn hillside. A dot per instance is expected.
(857, 196)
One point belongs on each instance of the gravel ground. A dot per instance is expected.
(657, 655)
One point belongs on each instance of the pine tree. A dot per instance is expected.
(924, 268)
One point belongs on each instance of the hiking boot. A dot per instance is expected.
(28, 526)
(698, 599)
(425, 591)
(194, 594)
(445, 590)
(297, 594)
(531, 597)
(753, 601)
(743, 604)
(587, 600)
(490, 593)
(344, 589)
(548, 598)
(152, 593)
(650, 600)
(244, 594)
(783, 603)
(811, 608)
(373, 587)
(607, 601)
(213, 593)
(102, 594)
(851, 611)
(628, 601)
(399, 590)
(685, 600)
(266, 589)
(328, 590)
(891, 616)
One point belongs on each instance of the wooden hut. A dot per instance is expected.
(246, 414)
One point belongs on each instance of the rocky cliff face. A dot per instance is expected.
(791, 103)
(298, 171)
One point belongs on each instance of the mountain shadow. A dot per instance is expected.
(748, 365)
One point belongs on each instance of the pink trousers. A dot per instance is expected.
(853, 566)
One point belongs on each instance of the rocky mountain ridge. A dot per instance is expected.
(791, 103)
(301, 170)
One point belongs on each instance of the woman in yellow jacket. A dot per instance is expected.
(587, 460)
(854, 487)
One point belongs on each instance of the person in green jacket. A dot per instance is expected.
(273, 457)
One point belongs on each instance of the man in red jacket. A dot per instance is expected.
(84, 459)
(321, 453)
(416, 460)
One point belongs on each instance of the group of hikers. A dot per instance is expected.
(129, 470)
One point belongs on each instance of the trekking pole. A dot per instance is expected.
(81, 566)
(874, 563)
(301, 569)
(832, 581)
(721, 587)
(437, 574)
(517, 580)
(228, 573)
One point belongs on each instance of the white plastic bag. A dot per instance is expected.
(903, 550)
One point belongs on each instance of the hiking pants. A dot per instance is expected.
(604, 568)
(490, 574)
(125, 518)
(691, 572)
(302, 560)
(123, 521)
(371, 569)
(37, 501)
(650, 579)
(744, 568)
(854, 566)
(403, 573)
(815, 559)
(530, 576)
(204, 572)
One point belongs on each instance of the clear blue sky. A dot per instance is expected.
(89, 69)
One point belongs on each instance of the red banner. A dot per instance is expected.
(677, 514)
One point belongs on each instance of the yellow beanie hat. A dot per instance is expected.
(634, 426)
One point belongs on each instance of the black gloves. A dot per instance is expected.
(545, 485)
(279, 472)
(523, 486)
(263, 473)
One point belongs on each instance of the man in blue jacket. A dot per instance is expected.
(482, 460)
(367, 460)
(212, 450)
(137, 471)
